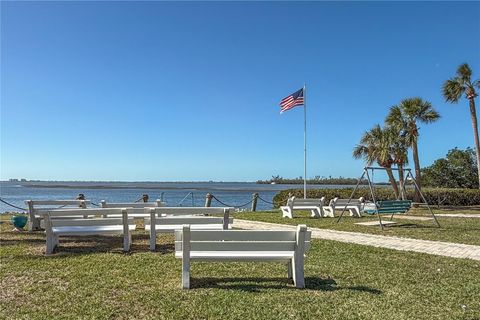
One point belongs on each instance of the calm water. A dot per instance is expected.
(173, 193)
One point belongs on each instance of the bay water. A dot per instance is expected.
(235, 194)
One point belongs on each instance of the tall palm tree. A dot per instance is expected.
(405, 117)
(374, 146)
(452, 92)
(399, 151)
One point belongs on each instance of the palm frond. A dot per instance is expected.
(464, 72)
(452, 90)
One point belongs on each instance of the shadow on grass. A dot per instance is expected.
(258, 284)
(14, 242)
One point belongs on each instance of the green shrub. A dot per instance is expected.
(434, 196)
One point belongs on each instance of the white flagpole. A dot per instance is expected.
(304, 141)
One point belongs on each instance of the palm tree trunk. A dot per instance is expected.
(392, 180)
(401, 178)
(418, 178)
(473, 114)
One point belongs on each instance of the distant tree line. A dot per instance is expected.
(317, 180)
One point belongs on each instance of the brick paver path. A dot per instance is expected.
(448, 249)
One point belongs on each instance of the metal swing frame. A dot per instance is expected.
(402, 192)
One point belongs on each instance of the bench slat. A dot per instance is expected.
(238, 246)
(239, 255)
(131, 205)
(81, 212)
(237, 235)
(58, 202)
(188, 220)
(175, 227)
(90, 222)
(90, 230)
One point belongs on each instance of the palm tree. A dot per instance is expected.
(452, 92)
(405, 117)
(374, 146)
(399, 152)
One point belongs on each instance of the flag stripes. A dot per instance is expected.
(291, 101)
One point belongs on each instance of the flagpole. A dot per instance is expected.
(304, 141)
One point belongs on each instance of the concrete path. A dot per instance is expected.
(447, 249)
(457, 215)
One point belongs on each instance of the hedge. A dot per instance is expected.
(434, 196)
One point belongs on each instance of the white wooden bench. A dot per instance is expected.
(72, 223)
(314, 205)
(36, 207)
(355, 206)
(243, 245)
(170, 219)
(135, 209)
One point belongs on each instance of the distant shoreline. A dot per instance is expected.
(245, 186)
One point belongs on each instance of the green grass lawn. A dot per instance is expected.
(92, 279)
(460, 230)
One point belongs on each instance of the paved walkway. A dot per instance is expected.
(457, 215)
(448, 249)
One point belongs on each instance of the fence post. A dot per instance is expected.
(208, 200)
(254, 201)
(145, 198)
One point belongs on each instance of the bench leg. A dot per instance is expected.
(316, 213)
(153, 238)
(357, 212)
(286, 212)
(127, 241)
(56, 241)
(328, 212)
(289, 270)
(33, 224)
(298, 275)
(186, 273)
(50, 245)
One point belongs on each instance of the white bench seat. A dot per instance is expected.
(239, 255)
(86, 222)
(354, 206)
(284, 246)
(314, 205)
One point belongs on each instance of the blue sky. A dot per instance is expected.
(156, 91)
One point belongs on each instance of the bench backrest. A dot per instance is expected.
(169, 220)
(35, 206)
(178, 216)
(293, 201)
(243, 240)
(394, 206)
(190, 211)
(157, 203)
(76, 217)
(336, 202)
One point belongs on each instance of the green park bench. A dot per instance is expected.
(391, 207)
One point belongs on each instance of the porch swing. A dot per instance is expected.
(392, 207)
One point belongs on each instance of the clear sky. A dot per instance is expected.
(156, 91)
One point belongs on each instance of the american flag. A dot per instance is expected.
(291, 101)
